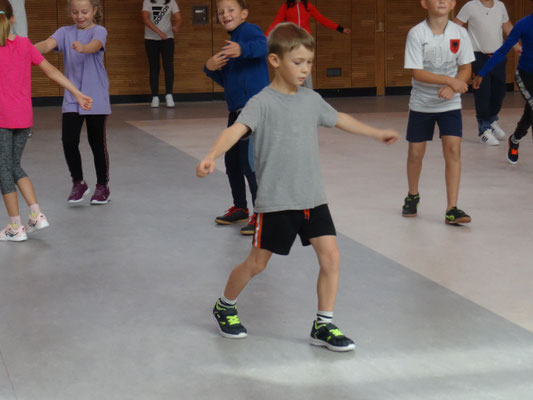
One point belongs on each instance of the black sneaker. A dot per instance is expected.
(454, 216)
(249, 228)
(229, 325)
(512, 152)
(410, 205)
(232, 216)
(328, 335)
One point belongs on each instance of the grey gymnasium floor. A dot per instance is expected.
(114, 302)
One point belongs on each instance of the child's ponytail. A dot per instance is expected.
(6, 13)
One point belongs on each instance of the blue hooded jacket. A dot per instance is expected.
(245, 76)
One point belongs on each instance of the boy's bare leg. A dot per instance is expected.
(12, 204)
(451, 148)
(415, 156)
(328, 278)
(26, 189)
(255, 263)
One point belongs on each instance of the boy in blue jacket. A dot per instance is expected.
(241, 69)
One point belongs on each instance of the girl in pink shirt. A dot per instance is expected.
(17, 55)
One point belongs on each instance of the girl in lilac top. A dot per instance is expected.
(83, 46)
(17, 55)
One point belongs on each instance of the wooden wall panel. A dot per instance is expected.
(333, 48)
(42, 22)
(363, 39)
(372, 57)
(400, 17)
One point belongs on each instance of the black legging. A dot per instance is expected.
(524, 80)
(155, 49)
(96, 133)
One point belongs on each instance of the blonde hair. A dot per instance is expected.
(5, 16)
(288, 36)
(96, 4)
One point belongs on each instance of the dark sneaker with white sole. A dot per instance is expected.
(328, 335)
(512, 152)
(229, 324)
(79, 191)
(101, 195)
(455, 216)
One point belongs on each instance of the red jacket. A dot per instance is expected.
(300, 16)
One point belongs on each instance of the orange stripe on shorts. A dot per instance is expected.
(258, 231)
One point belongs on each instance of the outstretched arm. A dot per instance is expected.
(225, 141)
(53, 73)
(46, 46)
(351, 125)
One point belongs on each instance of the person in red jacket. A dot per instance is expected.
(299, 13)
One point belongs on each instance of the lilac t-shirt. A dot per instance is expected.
(85, 71)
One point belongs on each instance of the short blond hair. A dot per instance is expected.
(288, 36)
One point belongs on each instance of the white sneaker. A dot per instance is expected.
(39, 222)
(488, 138)
(498, 131)
(155, 102)
(170, 101)
(13, 233)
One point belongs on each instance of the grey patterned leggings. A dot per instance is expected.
(12, 142)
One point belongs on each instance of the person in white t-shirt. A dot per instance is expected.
(162, 19)
(487, 22)
(439, 54)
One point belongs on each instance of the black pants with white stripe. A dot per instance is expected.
(524, 80)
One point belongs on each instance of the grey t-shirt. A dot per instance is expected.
(285, 132)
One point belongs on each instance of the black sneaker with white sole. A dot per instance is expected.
(229, 324)
(328, 335)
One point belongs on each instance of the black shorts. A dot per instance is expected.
(421, 126)
(276, 231)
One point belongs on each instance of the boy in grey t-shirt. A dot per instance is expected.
(283, 119)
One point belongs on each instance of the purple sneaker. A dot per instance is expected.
(79, 191)
(101, 195)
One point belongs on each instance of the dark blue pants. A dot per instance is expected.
(239, 163)
(489, 96)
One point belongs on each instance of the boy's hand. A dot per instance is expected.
(205, 167)
(446, 93)
(458, 85)
(477, 82)
(387, 136)
(78, 47)
(216, 62)
(84, 101)
(232, 49)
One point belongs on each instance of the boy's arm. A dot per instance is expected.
(213, 67)
(225, 141)
(53, 73)
(351, 125)
(458, 86)
(94, 46)
(46, 46)
(459, 22)
(254, 45)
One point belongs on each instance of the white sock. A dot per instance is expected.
(325, 317)
(227, 301)
(514, 140)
